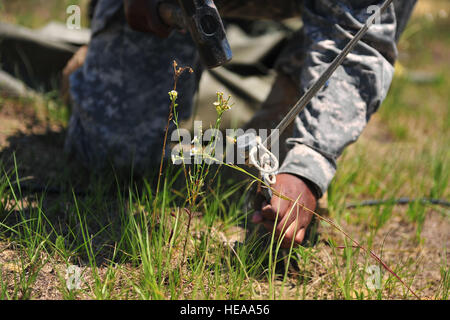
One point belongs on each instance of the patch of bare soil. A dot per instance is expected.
(417, 261)
(52, 277)
(37, 144)
(16, 271)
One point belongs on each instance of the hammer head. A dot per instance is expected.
(203, 21)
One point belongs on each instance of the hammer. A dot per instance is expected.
(200, 17)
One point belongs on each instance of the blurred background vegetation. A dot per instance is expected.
(37, 13)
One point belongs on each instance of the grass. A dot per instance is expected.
(132, 241)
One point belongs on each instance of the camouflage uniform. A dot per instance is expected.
(120, 96)
(120, 93)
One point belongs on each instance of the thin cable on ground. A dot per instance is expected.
(399, 201)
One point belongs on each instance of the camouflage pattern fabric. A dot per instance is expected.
(120, 94)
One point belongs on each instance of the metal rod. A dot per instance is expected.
(311, 92)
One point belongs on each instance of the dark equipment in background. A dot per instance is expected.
(200, 17)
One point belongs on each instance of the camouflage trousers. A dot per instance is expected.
(120, 93)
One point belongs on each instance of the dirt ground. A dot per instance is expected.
(39, 148)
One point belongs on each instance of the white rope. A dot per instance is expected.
(267, 163)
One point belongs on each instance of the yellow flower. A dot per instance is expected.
(221, 104)
(173, 95)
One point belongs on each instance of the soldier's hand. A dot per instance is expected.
(292, 221)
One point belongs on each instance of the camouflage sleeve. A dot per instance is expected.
(337, 115)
